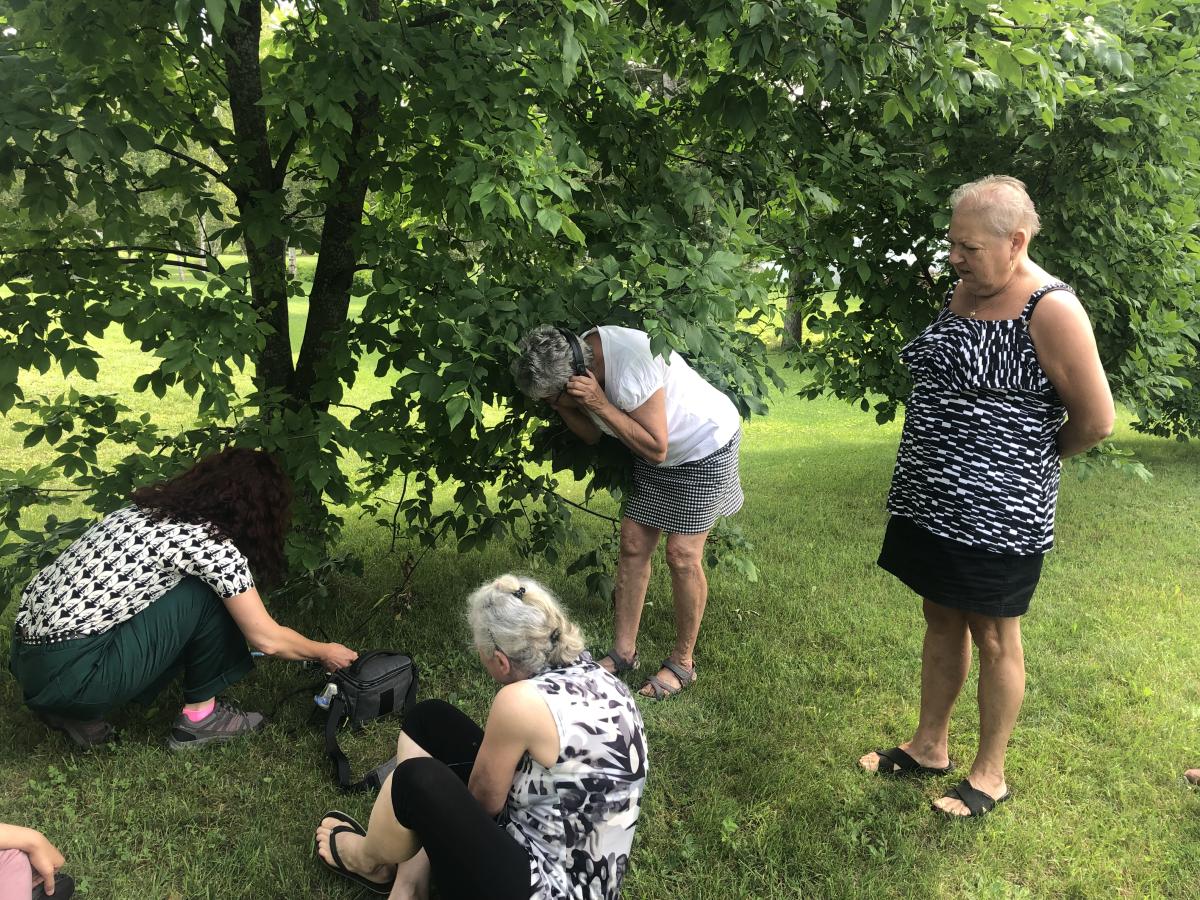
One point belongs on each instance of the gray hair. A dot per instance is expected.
(1003, 203)
(520, 618)
(546, 363)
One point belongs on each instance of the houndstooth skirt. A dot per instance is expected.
(690, 497)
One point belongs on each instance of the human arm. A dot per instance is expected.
(263, 633)
(576, 419)
(1066, 349)
(519, 722)
(643, 430)
(44, 857)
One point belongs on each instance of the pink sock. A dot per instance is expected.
(195, 715)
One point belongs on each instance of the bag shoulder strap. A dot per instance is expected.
(374, 779)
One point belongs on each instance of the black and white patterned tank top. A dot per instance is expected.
(978, 460)
(576, 819)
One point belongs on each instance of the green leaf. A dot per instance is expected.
(874, 14)
(1117, 125)
(329, 166)
(216, 14)
(81, 146)
(550, 219)
(571, 230)
(455, 408)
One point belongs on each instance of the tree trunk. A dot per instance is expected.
(329, 298)
(257, 188)
(793, 315)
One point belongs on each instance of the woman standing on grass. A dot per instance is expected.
(684, 435)
(160, 586)
(542, 803)
(976, 480)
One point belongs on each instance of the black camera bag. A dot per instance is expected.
(379, 682)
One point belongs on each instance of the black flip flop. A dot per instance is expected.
(383, 888)
(903, 764)
(346, 818)
(978, 803)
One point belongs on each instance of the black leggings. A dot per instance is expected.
(470, 854)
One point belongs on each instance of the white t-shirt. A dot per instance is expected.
(700, 419)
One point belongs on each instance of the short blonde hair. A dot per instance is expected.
(1003, 203)
(524, 621)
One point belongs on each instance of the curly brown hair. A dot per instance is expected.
(243, 494)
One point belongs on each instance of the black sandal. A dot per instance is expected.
(978, 803)
(903, 764)
(382, 888)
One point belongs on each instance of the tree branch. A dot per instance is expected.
(183, 157)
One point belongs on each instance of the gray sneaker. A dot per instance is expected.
(84, 734)
(225, 722)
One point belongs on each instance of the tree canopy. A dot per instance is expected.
(473, 168)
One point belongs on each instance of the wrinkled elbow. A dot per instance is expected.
(1104, 426)
(658, 457)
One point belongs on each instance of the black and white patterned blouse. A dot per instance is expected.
(118, 567)
(978, 460)
(577, 818)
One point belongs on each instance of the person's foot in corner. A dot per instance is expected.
(1192, 776)
(224, 723)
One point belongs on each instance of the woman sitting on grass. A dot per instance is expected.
(541, 804)
(29, 866)
(158, 586)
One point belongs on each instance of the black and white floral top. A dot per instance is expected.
(118, 567)
(576, 819)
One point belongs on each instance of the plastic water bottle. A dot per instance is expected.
(322, 699)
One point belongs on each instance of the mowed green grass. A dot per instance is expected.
(753, 788)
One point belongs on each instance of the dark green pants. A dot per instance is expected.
(187, 629)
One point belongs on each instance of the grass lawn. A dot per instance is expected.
(753, 788)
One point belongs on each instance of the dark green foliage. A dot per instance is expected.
(471, 169)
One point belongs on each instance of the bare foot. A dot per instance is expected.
(932, 760)
(349, 848)
(1192, 775)
(993, 787)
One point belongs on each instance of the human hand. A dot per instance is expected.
(586, 391)
(45, 860)
(335, 656)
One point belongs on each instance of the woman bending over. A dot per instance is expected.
(158, 587)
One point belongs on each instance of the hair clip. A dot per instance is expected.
(519, 592)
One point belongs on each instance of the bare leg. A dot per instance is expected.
(689, 590)
(387, 842)
(945, 660)
(633, 575)
(1001, 691)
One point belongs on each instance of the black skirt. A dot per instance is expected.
(957, 575)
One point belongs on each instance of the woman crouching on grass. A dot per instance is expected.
(160, 586)
(542, 803)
